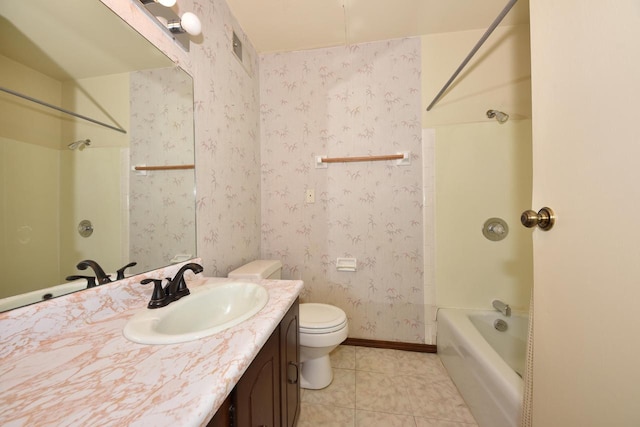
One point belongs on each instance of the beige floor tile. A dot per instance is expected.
(437, 399)
(386, 388)
(377, 360)
(431, 422)
(341, 392)
(411, 363)
(381, 392)
(343, 357)
(316, 415)
(381, 419)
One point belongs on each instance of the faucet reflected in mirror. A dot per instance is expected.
(100, 275)
(131, 89)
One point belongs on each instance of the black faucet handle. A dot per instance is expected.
(91, 281)
(182, 290)
(120, 273)
(159, 296)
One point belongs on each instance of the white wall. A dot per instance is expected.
(29, 156)
(347, 101)
(483, 168)
(498, 77)
(483, 171)
(41, 177)
(93, 175)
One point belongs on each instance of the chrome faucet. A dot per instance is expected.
(502, 307)
(175, 289)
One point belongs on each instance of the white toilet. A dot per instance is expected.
(322, 327)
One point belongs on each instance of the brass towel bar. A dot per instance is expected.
(402, 159)
(163, 168)
(362, 158)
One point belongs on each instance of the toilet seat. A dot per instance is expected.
(321, 318)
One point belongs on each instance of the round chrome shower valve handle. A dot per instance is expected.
(85, 228)
(545, 218)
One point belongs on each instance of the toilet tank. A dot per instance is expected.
(258, 269)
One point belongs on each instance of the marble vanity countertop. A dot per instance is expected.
(65, 362)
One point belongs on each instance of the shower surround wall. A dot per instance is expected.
(347, 101)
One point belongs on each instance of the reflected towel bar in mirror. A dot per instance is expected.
(163, 168)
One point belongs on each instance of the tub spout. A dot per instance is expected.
(502, 307)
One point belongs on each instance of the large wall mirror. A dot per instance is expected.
(58, 170)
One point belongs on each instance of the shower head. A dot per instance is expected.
(498, 115)
(80, 144)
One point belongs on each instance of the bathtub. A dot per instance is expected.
(27, 298)
(485, 364)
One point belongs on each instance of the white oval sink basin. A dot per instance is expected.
(211, 308)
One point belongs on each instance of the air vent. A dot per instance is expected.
(237, 46)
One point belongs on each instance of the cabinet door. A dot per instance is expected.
(289, 366)
(222, 418)
(257, 394)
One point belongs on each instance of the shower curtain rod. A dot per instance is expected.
(484, 38)
(62, 110)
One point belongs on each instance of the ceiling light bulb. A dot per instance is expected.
(191, 23)
(166, 3)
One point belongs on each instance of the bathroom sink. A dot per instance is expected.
(211, 308)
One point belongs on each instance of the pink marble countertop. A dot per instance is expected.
(65, 362)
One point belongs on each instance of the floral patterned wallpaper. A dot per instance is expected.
(161, 204)
(227, 148)
(267, 125)
(347, 101)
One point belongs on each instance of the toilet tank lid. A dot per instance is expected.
(258, 269)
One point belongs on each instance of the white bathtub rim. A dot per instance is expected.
(482, 363)
(32, 297)
(497, 366)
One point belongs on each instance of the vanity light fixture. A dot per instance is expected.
(188, 23)
(165, 3)
(179, 28)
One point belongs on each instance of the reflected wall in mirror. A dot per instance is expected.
(79, 55)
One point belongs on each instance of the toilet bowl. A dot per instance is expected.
(322, 328)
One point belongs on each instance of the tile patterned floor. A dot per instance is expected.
(385, 388)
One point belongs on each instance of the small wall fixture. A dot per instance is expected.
(165, 3)
(179, 28)
(80, 145)
(188, 23)
(237, 46)
(498, 115)
(495, 229)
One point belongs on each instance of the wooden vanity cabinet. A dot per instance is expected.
(268, 394)
(290, 367)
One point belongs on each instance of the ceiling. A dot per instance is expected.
(288, 25)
